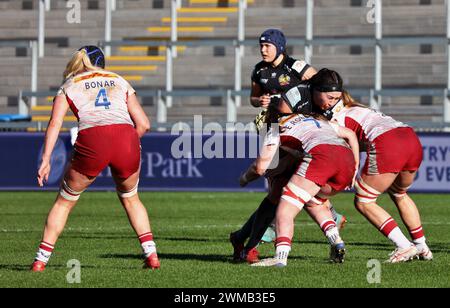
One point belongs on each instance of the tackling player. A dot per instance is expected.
(394, 154)
(275, 74)
(328, 165)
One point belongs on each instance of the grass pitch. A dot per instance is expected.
(191, 231)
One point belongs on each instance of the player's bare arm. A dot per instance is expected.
(140, 119)
(59, 110)
(310, 72)
(258, 98)
(260, 166)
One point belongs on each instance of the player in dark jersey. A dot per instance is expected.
(317, 208)
(277, 72)
(274, 75)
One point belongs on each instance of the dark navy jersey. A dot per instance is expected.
(299, 98)
(277, 80)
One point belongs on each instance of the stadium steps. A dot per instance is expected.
(139, 4)
(46, 118)
(348, 21)
(357, 71)
(195, 20)
(144, 50)
(203, 24)
(218, 3)
(132, 68)
(180, 30)
(339, 3)
(131, 20)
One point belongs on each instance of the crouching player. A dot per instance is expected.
(394, 154)
(329, 165)
(111, 122)
(275, 74)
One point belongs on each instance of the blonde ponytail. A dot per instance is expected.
(349, 101)
(79, 63)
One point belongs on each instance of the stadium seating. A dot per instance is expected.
(213, 67)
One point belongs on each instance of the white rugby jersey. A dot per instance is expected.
(98, 98)
(367, 123)
(299, 132)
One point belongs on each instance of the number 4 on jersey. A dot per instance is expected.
(102, 99)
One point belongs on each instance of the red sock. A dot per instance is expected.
(46, 246)
(147, 244)
(327, 225)
(387, 227)
(146, 237)
(417, 233)
(283, 241)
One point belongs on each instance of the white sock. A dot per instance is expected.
(399, 238)
(43, 256)
(333, 237)
(282, 253)
(148, 248)
(44, 252)
(421, 243)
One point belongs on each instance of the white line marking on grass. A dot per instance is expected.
(177, 227)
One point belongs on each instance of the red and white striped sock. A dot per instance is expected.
(327, 224)
(283, 247)
(391, 230)
(418, 237)
(147, 244)
(44, 252)
(331, 231)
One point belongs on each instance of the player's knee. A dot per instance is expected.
(358, 205)
(397, 196)
(365, 194)
(295, 195)
(128, 194)
(397, 193)
(68, 193)
(316, 201)
(362, 207)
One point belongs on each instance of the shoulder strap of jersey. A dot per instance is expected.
(293, 63)
(290, 61)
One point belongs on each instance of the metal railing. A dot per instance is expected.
(447, 97)
(229, 96)
(45, 6)
(377, 42)
(374, 93)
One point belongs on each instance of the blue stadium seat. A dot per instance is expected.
(14, 118)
